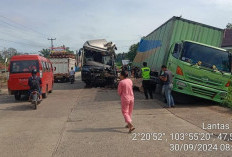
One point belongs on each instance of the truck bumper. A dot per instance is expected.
(199, 90)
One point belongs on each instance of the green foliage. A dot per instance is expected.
(1, 59)
(228, 99)
(132, 51)
(69, 51)
(45, 53)
(8, 53)
(229, 26)
(120, 57)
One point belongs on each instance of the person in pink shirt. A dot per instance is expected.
(125, 90)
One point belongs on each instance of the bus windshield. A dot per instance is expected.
(24, 66)
(206, 56)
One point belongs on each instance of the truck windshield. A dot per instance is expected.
(206, 56)
(107, 60)
(24, 66)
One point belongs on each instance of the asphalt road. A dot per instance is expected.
(79, 121)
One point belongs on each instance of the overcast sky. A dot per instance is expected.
(26, 24)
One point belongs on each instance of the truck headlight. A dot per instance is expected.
(182, 84)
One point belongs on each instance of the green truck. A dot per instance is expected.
(191, 52)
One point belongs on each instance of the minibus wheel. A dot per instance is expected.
(17, 96)
(44, 95)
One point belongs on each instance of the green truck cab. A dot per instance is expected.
(191, 52)
(200, 70)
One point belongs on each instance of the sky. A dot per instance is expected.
(27, 24)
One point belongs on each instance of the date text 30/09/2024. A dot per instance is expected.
(196, 137)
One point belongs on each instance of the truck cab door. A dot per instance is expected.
(174, 56)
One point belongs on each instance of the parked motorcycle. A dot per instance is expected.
(35, 98)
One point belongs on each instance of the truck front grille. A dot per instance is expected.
(204, 92)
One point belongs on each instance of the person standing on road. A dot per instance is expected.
(167, 79)
(125, 91)
(146, 80)
(72, 73)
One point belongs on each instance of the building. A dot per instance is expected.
(227, 40)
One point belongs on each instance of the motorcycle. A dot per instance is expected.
(35, 98)
(72, 79)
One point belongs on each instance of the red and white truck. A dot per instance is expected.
(62, 63)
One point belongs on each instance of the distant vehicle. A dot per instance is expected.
(98, 68)
(20, 68)
(190, 51)
(62, 63)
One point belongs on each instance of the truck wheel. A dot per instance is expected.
(88, 84)
(17, 96)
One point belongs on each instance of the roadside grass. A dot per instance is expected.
(228, 99)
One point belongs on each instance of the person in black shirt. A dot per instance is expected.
(34, 83)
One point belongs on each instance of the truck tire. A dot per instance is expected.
(88, 83)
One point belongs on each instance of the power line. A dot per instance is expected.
(39, 44)
(24, 31)
(20, 43)
(22, 25)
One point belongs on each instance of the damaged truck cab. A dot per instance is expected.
(98, 68)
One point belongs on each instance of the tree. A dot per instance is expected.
(132, 51)
(8, 53)
(120, 57)
(1, 59)
(45, 53)
(69, 51)
(229, 26)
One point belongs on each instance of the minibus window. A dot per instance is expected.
(51, 67)
(44, 66)
(48, 66)
(24, 66)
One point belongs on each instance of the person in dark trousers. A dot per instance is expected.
(34, 83)
(167, 85)
(146, 80)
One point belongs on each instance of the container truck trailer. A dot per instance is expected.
(190, 51)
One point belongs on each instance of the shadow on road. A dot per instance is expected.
(114, 129)
(24, 107)
(7, 99)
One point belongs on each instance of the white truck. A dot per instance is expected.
(62, 67)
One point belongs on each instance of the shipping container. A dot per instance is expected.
(155, 47)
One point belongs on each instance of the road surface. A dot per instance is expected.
(79, 121)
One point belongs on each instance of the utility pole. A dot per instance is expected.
(51, 42)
